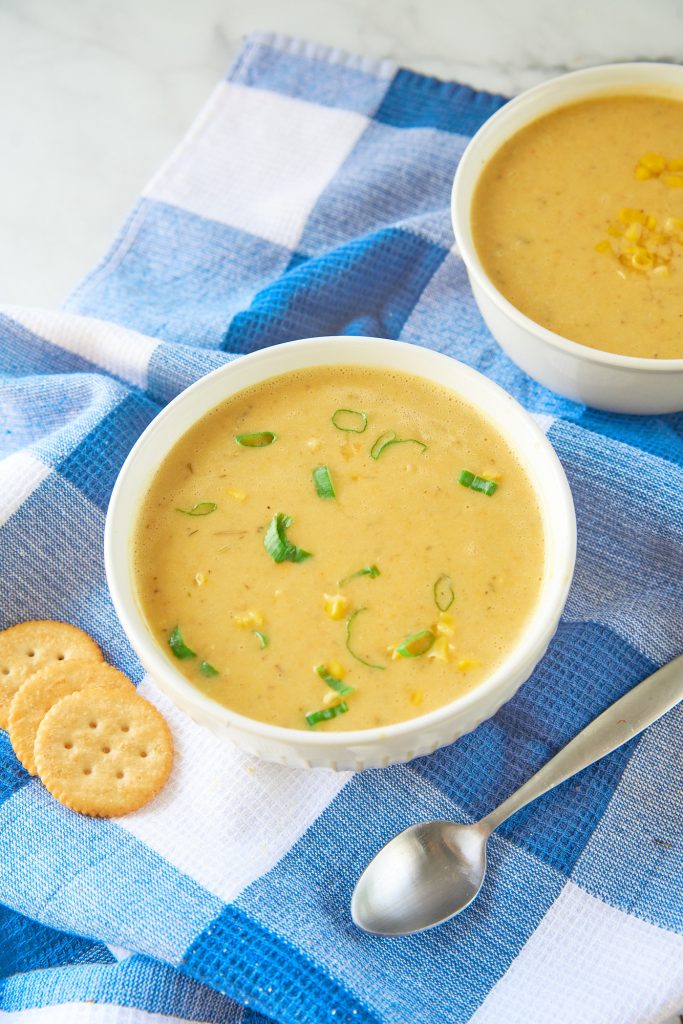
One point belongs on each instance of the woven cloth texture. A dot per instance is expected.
(311, 197)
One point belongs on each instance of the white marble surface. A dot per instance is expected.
(94, 93)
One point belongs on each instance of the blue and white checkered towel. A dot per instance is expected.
(312, 197)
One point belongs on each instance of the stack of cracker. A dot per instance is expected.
(78, 723)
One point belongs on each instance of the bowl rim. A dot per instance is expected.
(461, 210)
(120, 519)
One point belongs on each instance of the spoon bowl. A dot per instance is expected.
(426, 874)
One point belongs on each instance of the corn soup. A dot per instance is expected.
(578, 221)
(338, 548)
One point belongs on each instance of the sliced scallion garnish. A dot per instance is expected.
(388, 438)
(477, 483)
(334, 683)
(208, 670)
(349, 420)
(262, 638)
(415, 645)
(313, 717)
(368, 570)
(202, 508)
(178, 645)
(323, 482)
(276, 543)
(349, 623)
(259, 440)
(444, 595)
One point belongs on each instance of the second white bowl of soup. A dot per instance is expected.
(568, 212)
(341, 552)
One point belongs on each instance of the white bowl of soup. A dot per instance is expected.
(341, 552)
(567, 209)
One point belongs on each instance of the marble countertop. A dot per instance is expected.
(95, 94)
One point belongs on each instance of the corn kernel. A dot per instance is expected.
(642, 173)
(627, 215)
(661, 271)
(603, 246)
(248, 620)
(633, 232)
(466, 663)
(331, 697)
(673, 180)
(200, 579)
(654, 162)
(672, 225)
(642, 260)
(336, 669)
(313, 444)
(441, 649)
(392, 652)
(651, 223)
(445, 624)
(615, 230)
(416, 697)
(335, 605)
(675, 165)
(349, 449)
(234, 492)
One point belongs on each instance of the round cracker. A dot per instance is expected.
(30, 646)
(40, 691)
(103, 754)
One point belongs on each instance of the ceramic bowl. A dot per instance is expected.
(601, 379)
(366, 748)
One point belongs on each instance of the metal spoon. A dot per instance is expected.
(431, 871)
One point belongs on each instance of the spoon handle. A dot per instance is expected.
(623, 720)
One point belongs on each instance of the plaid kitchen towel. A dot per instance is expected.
(311, 197)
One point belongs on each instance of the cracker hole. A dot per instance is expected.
(106, 750)
(125, 728)
(87, 771)
(143, 753)
(119, 775)
(68, 746)
(5, 671)
(60, 657)
(93, 725)
(31, 654)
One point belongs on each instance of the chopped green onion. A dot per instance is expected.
(323, 482)
(350, 421)
(262, 638)
(444, 595)
(477, 483)
(333, 682)
(208, 670)
(276, 543)
(388, 438)
(178, 645)
(349, 624)
(416, 644)
(324, 716)
(202, 508)
(260, 440)
(368, 570)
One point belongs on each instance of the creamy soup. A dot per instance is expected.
(578, 221)
(338, 548)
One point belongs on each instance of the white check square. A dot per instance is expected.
(258, 161)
